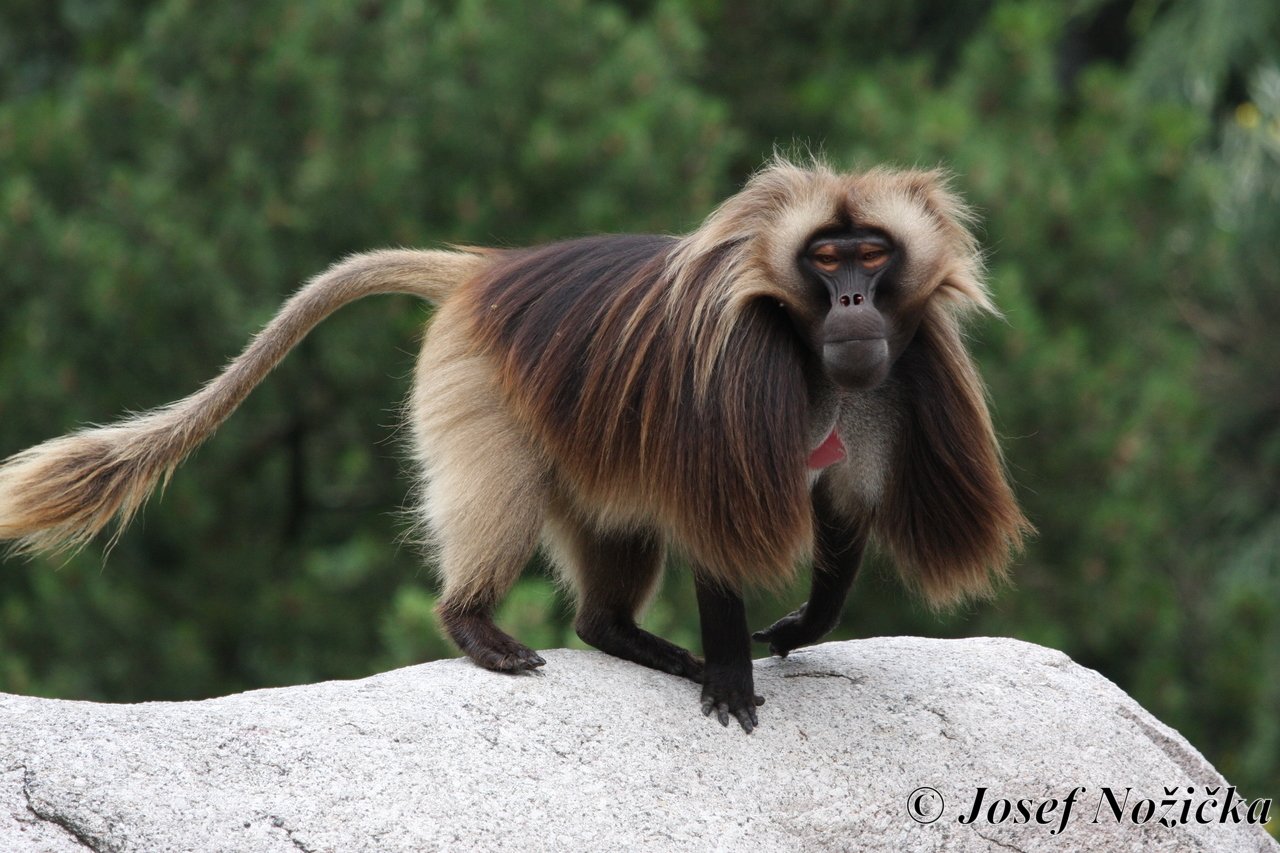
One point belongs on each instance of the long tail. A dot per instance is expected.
(57, 495)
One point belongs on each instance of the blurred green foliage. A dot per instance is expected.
(170, 170)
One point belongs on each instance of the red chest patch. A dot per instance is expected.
(829, 452)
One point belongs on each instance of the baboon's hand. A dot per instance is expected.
(728, 693)
(791, 632)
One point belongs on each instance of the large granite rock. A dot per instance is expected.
(595, 754)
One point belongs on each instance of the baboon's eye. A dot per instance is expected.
(825, 258)
(871, 256)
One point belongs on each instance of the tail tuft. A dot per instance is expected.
(57, 495)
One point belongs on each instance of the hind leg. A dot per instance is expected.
(484, 496)
(485, 536)
(614, 575)
(486, 524)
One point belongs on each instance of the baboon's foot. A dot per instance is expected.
(624, 639)
(485, 643)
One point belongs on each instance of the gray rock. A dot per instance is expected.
(595, 754)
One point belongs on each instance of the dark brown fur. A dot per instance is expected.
(626, 424)
(948, 516)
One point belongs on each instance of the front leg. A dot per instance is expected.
(837, 554)
(727, 684)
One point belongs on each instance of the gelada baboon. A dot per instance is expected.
(781, 384)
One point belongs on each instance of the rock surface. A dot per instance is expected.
(596, 754)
